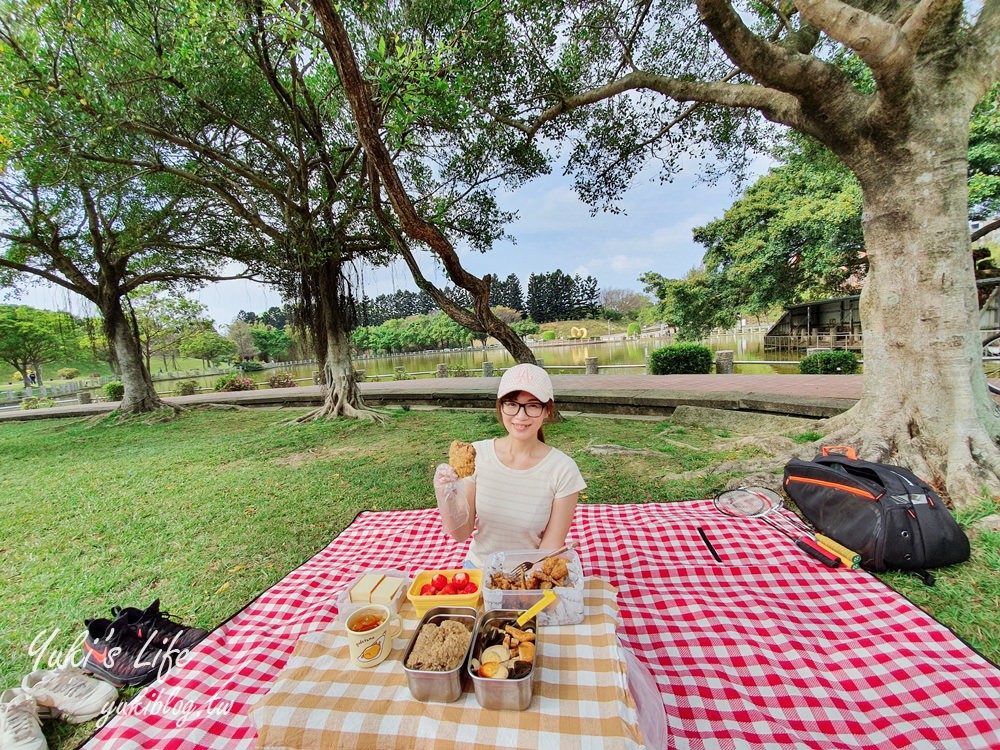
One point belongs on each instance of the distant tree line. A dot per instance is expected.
(551, 296)
(558, 296)
(276, 317)
(374, 311)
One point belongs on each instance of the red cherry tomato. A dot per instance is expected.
(470, 588)
(448, 590)
(460, 580)
(439, 581)
(427, 590)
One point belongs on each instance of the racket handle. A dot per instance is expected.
(810, 547)
(840, 549)
(844, 561)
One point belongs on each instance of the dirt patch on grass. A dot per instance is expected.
(740, 422)
(309, 455)
(618, 450)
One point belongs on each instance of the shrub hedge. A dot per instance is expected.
(114, 391)
(829, 363)
(681, 359)
(187, 388)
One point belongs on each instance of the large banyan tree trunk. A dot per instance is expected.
(925, 402)
(326, 309)
(140, 395)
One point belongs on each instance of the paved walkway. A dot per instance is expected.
(656, 395)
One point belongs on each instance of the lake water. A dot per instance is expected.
(619, 357)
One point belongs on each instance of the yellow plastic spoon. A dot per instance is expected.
(548, 596)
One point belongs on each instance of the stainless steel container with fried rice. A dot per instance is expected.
(440, 687)
(509, 693)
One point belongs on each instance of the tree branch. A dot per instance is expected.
(773, 65)
(985, 229)
(879, 43)
(367, 123)
(982, 57)
(455, 311)
(168, 276)
(921, 21)
(239, 206)
(775, 105)
(88, 291)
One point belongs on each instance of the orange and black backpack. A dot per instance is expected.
(885, 513)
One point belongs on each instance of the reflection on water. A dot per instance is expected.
(559, 359)
(608, 353)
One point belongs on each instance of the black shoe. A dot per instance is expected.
(112, 652)
(161, 629)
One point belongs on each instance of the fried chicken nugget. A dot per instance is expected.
(462, 457)
(555, 567)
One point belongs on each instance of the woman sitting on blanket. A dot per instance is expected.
(523, 492)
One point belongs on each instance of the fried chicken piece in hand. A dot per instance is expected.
(462, 458)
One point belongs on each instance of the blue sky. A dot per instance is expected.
(554, 230)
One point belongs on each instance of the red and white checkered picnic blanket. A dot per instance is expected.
(767, 649)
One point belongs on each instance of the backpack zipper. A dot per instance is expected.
(904, 480)
(834, 485)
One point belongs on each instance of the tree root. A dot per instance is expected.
(755, 472)
(326, 411)
(617, 450)
(222, 407)
(165, 413)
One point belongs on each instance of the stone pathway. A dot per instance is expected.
(654, 395)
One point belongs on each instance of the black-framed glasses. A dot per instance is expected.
(531, 409)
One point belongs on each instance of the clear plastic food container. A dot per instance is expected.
(568, 609)
(345, 606)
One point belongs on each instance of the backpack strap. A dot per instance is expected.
(924, 576)
(840, 450)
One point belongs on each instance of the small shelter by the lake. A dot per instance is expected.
(836, 323)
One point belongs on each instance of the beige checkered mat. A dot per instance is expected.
(580, 700)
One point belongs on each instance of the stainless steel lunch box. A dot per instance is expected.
(514, 694)
(440, 687)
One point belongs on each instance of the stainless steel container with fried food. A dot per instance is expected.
(440, 686)
(514, 691)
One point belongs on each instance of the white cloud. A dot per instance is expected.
(630, 263)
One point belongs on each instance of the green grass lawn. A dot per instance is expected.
(208, 510)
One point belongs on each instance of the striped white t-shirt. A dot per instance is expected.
(513, 505)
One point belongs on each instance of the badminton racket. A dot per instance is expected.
(765, 504)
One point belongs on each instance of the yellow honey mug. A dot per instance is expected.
(370, 631)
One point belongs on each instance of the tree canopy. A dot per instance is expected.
(239, 104)
(620, 86)
(795, 234)
(30, 338)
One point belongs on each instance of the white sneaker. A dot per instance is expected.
(20, 728)
(71, 693)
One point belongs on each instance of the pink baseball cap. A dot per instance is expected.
(528, 378)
